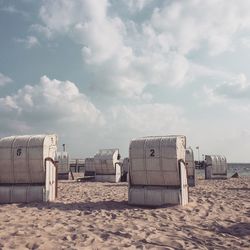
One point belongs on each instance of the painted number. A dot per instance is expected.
(19, 152)
(152, 152)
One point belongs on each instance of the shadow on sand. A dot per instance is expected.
(121, 184)
(236, 189)
(89, 206)
(82, 206)
(248, 213)
(238, 229)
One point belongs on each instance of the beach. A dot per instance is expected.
(94, 215)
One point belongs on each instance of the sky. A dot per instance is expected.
(99, 73)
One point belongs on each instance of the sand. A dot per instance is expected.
(95, 215)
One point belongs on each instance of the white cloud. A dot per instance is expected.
(245, 42)
(42, 30)
(105, 50)
(191, 25)
(136, 5)
(127, 56)
(200, 70)
(50, 103)
(150, 119)
(13, 10)
(102, 40)
(101, 37)
(58, 107)
(209, 96)
(4, 79)
(88, 24)
(29, 41)
(129, 121)
(54, 106)
(240, 109)
(236, 88)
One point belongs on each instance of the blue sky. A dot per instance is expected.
(99, 73)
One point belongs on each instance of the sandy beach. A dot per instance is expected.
(94, 215)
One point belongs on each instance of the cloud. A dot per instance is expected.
(200, 71)
(50, 105)
(245, 42)
(42, 30)
(215, 24)
(242, 109)
(117, 67)
(29, 41)
(4, 79)
(129, 121)
(13, 10)
(88, 24)
(209, 96)
(234, 144)
(127, 56)
(137, 5)
(236, 88)
(149, 119)
(54, 106)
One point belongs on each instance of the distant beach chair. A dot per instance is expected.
(63, 169)
(215, 167)
(89, 170)
(108, 165)
(28, 171)
(157, 171)
(191, 176)
(125, 167)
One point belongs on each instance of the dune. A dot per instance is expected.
(94, 215)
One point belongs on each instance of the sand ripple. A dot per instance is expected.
(96, 216)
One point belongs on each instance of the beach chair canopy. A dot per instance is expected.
(22, 158)
(218, 163)
(155, 161)
(190, 162)
(62, 159)
(105, 161)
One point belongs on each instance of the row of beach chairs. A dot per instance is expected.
(159, 169)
